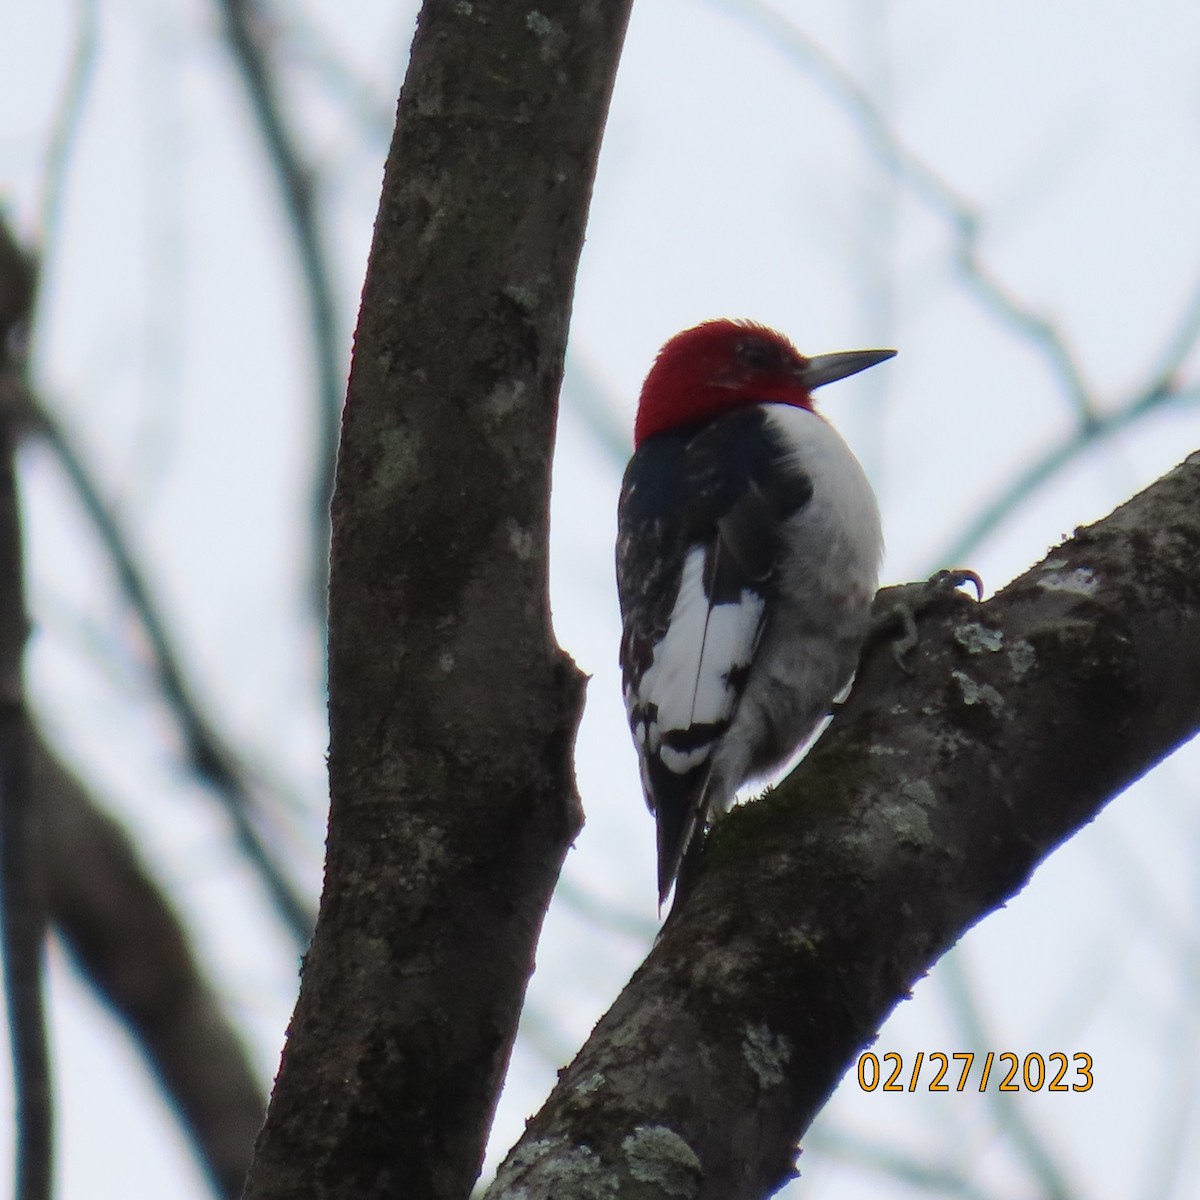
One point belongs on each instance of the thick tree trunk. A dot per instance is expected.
(929, 801)
(452, 710)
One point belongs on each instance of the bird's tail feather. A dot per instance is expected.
(676, 829)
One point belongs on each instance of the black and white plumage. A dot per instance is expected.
(747, 556)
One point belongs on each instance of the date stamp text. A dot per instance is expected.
(1006, 1072)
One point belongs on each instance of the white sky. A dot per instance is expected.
(172, 342)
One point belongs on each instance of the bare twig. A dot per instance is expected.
(310, 44)
(927, 1179)
(133, 951)
(928, 186)
(21, 906)
(209, 756)
(604, 914)
(1009, 1115)
(585, 394)
(1049, 462)
(67, 119)
(251, 55)
(1162, 392)
(1180, 342)
(1178, 1096)
(1136, 893)
(895, 155)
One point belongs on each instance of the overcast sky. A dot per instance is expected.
(738, 178)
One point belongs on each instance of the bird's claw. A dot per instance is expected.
(953, 579)
(899, 620)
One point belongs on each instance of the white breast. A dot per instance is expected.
(838, 533)
(819, 612)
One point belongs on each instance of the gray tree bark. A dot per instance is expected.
(452, 710)
(452, 714)
(928, 803)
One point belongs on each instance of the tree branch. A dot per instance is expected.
(452, 711)
(83, 870)
(967, 224)
(67, 120)
(1051, 460)
(209, 755)
(929, 801)
(135, 954)
(22, 905)
(299, 195)
(932, 189)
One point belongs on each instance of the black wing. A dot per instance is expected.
(700, 537)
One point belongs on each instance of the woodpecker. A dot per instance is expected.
(748, 553)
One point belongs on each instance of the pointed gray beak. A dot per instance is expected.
(828, 368)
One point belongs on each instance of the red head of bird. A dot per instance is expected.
(721, 365)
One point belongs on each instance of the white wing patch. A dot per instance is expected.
(688, 682)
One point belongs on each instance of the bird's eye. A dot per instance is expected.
(756, 353)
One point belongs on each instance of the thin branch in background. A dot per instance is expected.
(928, 185)
(895, 156)
(1136, 892)
(1134, 888)
(1049, 463)
(1178, 1095)
(1009, 1115)
(22, 907)
(875, 244)
(1180, 342)
(290, 815)
(209, 756)
(61, 145)
(374, 112)
(152, 450)
(133, 951)
(604, 914)
(583, 393)
(248, 47)
(1162, 392)
(928, 1179)
(540, 1034)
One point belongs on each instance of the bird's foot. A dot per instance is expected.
(897, 609)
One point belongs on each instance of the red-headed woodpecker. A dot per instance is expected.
(747, 556)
